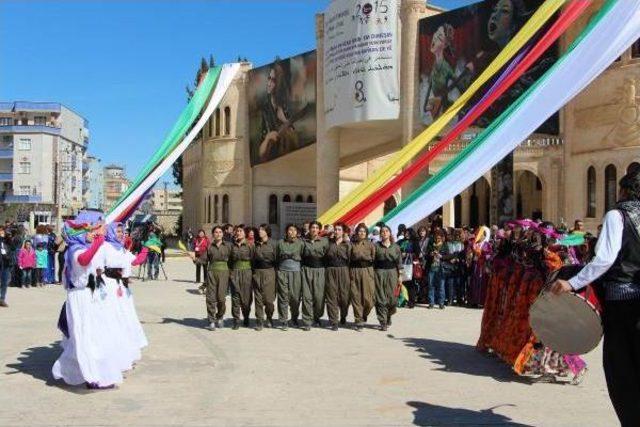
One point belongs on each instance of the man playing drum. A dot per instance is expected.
(617, 266)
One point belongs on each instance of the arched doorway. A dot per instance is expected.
(479, 203)
(528, 195)
(390, 204)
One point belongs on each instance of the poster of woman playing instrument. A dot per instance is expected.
(456, 46)
(282, 107)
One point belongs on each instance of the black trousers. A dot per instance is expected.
(621, 358)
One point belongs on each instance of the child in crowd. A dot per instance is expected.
(42, 263)
(27, 262)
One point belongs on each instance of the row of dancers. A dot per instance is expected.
(102, 335)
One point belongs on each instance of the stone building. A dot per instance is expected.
(115, 183)
(557, 177)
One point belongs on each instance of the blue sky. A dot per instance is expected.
(124, 64)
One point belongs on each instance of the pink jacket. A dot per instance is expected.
(27, 258)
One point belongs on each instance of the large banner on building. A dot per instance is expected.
(456, 46)
(282, 107)
(361, 80)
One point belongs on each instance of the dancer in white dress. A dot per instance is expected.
(118, 262)
(87, 356)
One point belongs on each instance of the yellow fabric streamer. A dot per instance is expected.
(409, 151)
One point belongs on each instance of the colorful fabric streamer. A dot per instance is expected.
(510, 76)
(225, 79)
(404, 156)
(607, 36)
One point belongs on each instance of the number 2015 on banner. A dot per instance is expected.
(364, 10)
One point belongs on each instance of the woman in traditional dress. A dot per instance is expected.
(480, 274)
(87, 356)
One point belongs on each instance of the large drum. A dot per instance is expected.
(568, 323)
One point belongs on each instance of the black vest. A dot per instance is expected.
(626, 268)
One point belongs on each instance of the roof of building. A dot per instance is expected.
(55, 107)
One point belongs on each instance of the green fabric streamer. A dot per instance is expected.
(186, 119)
(480, 139)
(573, 239)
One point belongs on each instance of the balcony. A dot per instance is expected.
(6, 153)
(30, 129)
(9, 107)
(14, 198)
(6, 176)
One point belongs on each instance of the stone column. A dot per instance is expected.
(502, 194)
(466, 199)
(411, 11)
(327, 142)
(449, 214)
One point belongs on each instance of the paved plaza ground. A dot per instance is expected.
(423, 371)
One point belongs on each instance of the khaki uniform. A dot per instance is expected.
(388, 262)
(313, 279)
(264, 278)
(363, 284)
(217, 280)
(241, 279)
(338, 284)
(289, 255)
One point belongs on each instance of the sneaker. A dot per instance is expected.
(358, 328)
(306, 328)
(212, 326)
(285, 325)
(430, 306)
(317, 324)
(236, 325)
(269, 324)
(383, 328)
(441, 306)
(334, 327)
(3, 303)
(296, 323)
(259, 325)
(245, 323)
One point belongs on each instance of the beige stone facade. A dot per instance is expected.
(598, 129)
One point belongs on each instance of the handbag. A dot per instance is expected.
(407, 268)
(418, 271)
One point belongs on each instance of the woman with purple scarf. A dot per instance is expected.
(87, 356)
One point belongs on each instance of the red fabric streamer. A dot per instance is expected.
(568, 16)
(85, 257)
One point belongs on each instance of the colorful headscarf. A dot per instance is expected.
(112, 235)
(76, 239)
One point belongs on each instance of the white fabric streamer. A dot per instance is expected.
(227, 74)
(610, 37)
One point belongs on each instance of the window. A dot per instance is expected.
(40, 120)
(5, 121)
(210, 126)
(591, 192)
(24, 121)
(24, 144)
(633, 167)
(273, 209)
(225, 208)
(216, 200)
(227, 120)
(209, 209)
(309, 199)
(24, 190)
(204, 211)
(299, 198)
(286, 198)
(610, 193)
(217, 122)
(25, 167)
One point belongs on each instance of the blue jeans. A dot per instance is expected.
(27, 276)
(452, 287)
(153, 265)
(436, 281)
(5, 274)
